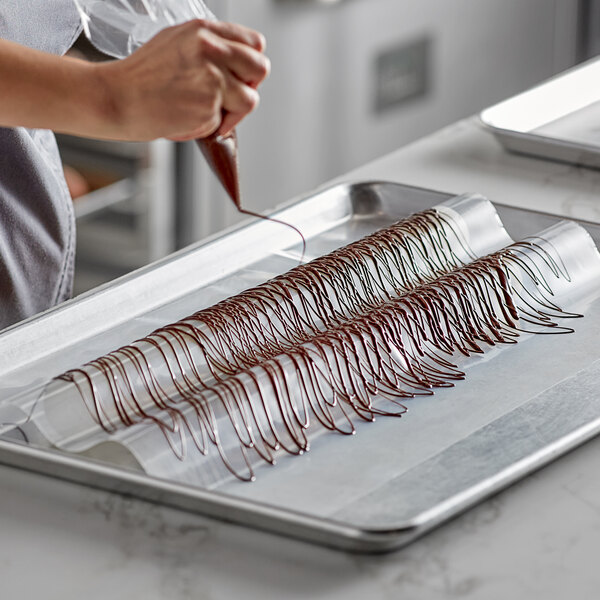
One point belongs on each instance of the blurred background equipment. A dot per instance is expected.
(127, 217)
(351, 80)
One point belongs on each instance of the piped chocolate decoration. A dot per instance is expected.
(221, 153)
(349, 335)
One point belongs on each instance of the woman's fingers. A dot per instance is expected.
(236, 100)
(237, 33)
(243, 69)
(244, 62)
(244, 102)
(229, 123)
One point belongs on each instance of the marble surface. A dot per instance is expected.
(466, 158)
(538, 539)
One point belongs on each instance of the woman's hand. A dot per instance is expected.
(188, 82)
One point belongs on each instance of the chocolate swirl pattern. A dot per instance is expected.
(348, 336)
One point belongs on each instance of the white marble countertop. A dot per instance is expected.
(538, 539)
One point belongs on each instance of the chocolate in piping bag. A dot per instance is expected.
(221, 153)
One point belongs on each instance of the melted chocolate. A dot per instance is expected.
(221, 153)
(382, 318)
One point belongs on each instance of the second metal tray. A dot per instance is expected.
(557, 120)
(394, 480)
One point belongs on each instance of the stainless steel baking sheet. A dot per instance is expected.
(558, 120)
(373, 492)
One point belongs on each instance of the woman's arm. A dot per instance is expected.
(187, 82)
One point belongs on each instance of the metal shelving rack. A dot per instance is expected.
(130, 221)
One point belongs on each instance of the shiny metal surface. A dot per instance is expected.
(558, 120)
(300, 2)
(511, 427)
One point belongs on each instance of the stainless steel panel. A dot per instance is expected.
(521, 422)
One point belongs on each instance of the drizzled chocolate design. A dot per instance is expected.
(221, 154)
(348, 335)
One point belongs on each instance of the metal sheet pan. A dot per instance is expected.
(371, 493)
(557, 120)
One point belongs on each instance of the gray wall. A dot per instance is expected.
(317, 118)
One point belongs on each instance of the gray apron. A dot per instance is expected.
(37, 227)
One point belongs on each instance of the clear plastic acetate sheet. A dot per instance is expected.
(68, 423)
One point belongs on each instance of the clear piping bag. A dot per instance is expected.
(119, 27)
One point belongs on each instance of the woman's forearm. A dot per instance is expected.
(44, 91)
(189, 81)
